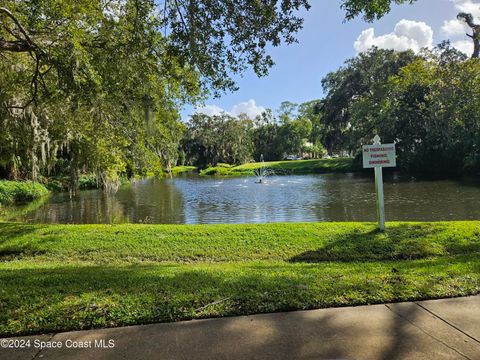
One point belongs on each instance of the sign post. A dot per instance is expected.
(378, 156)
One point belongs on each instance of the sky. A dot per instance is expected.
(326, 41)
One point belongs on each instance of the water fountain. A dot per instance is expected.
(262, 172)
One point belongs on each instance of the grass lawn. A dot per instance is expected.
(315, 166)
(64, 277)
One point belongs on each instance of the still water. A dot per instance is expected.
(329, 197)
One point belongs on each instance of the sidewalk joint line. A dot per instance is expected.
(40, 350)
(448, 323)
(425, 332)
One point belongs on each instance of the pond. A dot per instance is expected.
(296, 198)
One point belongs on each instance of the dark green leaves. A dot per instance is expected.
(370, 10)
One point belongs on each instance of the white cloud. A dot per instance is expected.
(210, 110)
(454, 28)
(468, 6)
(415, 30)
(406, 35)
(250, 108)
(465, 46)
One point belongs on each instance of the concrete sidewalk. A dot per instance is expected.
(430, 330)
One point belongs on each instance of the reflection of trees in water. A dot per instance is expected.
(223, 201)
(91, 206)
(345, 197)
(148, 201)
(432, 200)
(153, 200)
(329, 197)
(282, 198)
(107, 208)
(405, 200)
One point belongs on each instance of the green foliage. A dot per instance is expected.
(429, 110)
(424, 103)
(287, 135)
(71, 277)
(363, 75)
(86, 182)
(220, 171)
(370, 9)
(221, 138)
(314, 150)
(222, 38)
(61, 183)
(104, 96)
(20, 192)
(98, 87)
(312, 110)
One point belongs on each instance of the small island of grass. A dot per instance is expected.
(285, 167)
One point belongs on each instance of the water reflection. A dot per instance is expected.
(152, 200)
(328, 197)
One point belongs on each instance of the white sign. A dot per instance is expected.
(379, 155)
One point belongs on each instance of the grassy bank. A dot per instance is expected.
(20, 197)
(20, 192)
(63, 277)
(316, 166)
(177, 170)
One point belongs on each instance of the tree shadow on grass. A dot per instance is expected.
(40, 299)
(9, 230)
(10, 248)
(71, 297)
(399, 242)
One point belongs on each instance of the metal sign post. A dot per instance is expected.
(378, 156)
(380, 202)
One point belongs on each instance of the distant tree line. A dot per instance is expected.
(427, 103)
(223, 138)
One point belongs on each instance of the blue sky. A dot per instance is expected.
(326, 42)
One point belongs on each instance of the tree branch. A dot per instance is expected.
(20, 27)
(20, 45)
(14, 46)
(181, 16)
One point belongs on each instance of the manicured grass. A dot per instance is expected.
(135, 243)
(20, 192)
(315, 166)
(177, 170)
(64, 277)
